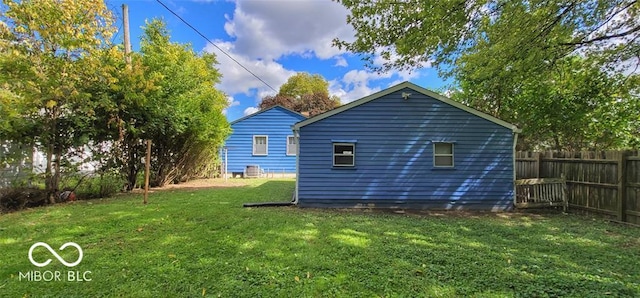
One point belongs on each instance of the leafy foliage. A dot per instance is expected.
(412, 33)
(183, 115)
(66, 89)
(563, 71)
(303, 93)
(51, 57)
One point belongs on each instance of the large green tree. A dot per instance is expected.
(304, 93)
(50, 54)
(414, 32)
(522, 61)
(183, 114)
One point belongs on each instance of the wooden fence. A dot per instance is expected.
(606, 183)
(541, 192)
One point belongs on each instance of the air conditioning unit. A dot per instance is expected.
(252, 171)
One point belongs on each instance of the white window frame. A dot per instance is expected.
(352, 154)
(291, 147)
(435, 154)
(266, 145)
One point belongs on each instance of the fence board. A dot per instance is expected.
(604, 182)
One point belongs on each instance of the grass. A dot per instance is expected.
(193, 243)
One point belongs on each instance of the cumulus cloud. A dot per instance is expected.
(236, 79)
(341, 61)
(250, 110)
(231, 102)
(266, 31)
(355, 84)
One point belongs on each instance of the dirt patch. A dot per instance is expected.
(199, 184)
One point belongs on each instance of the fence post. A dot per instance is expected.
(539, 165)
(622, 185)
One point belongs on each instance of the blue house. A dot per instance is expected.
(406, 147)
(263, 139)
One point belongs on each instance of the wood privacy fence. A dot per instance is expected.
(606, 183)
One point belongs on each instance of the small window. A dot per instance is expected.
(344, 154)
(260, 145)
(442, 154)
(291, 145)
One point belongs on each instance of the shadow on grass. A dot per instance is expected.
(203, 242)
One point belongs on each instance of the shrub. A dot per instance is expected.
(95, 185)
(18, 198)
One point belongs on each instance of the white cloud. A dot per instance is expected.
(355, 84)
(405, 75)
(236, 79)
(341, 61)
(250, 110)
(263, 30)
(230, 103)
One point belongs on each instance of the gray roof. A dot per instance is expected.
(399, 87)
(262, 111)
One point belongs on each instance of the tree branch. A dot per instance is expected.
(601, 38)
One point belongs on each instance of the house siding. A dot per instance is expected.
(274, 123)
(394, 157)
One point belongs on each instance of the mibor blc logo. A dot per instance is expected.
(53, 252)
(49, 276)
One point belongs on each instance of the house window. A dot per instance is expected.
(291, 145)
(442, 154)
(344, 154)
(260, 145)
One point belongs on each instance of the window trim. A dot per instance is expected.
(452, 155)
(266, 149)
(334, 154)
(295, 146)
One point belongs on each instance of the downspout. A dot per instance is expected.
(296, 136)
(515, 142)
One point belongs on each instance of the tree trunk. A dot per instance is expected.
(49, 180)
(52, 172)
(132, 173)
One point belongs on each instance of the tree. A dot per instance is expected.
(303, 93)
(552, 67)
(183, 115)
(417, 32)
(278, 100)
(50, 58)
(304, 83)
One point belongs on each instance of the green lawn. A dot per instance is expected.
(193, 243)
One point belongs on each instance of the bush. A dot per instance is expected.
(95, 185)
(18, 198)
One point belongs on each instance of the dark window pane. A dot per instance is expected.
(343, 160)
(343, 149)
(443, 161)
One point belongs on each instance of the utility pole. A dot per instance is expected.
(127, 36)
(127, 57)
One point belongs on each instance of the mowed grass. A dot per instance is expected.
(194, 243)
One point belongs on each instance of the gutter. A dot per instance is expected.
(515, 142)
(296, 135)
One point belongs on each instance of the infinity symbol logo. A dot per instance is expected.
(53, 252)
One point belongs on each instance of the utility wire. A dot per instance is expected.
(217, 47)
(117, 32)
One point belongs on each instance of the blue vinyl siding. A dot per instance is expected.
(275, 123)
(394, 157)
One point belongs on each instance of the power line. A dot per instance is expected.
(217, 47)
(117, 32)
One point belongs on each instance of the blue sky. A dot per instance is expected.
(274, 39)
